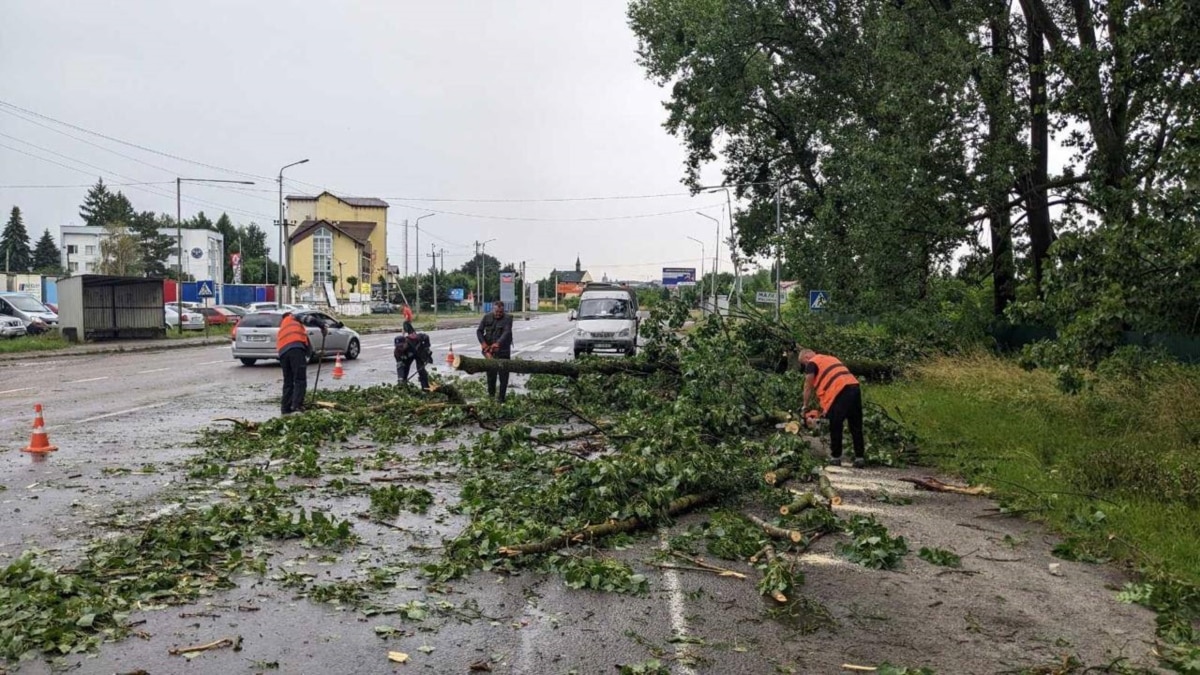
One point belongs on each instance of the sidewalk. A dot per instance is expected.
(123, 346)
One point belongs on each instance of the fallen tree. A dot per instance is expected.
(471, 366)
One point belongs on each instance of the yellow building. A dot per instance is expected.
(330, 230)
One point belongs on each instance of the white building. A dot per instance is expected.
(203, 251)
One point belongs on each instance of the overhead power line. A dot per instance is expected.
(593, 219)
(79, 185)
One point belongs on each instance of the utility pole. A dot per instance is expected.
(417, 260)
(716, 258)
(405, 237)
(285, 246)
(433, 273)
(524, 298)
(477, 296)
(481, 270)
(556, 292)
(443, 253)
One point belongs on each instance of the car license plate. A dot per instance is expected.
(604, 346)
(256, 338)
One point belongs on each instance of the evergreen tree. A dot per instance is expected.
(45, 255)
(119, 210)
(155, 247)
(95, 208)
(15, 254)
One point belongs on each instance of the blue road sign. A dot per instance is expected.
(457, 294)
(817, 300)
(205, 290)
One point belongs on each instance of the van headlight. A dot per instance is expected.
(581, 333)
(623, 333)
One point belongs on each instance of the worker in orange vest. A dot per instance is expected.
(839, 398)
(293, 347)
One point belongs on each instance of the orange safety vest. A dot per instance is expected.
(291, 331)
(832, 377)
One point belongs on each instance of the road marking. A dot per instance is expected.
(534, 348)
(123, 412)
(543, 342)
(152, 370)
(675, 608)
(90, 379)
(209, 363)
(13, 391)
(561, 350)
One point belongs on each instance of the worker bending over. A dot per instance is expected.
(839, 399)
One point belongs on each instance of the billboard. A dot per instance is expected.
(564, 288)
(457, 294)
(508, 291)
(673, 276)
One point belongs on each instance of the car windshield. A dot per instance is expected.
(604, 308)
(264, 320)
(26, 303)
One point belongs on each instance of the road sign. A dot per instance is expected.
(817, 300)
(456, 294)
(205, 290)
(508, 291)
(673, 276)
(765, 297)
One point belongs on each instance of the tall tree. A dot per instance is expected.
(15, 253)
(120, 252)
(96, 205)
(155, 248)
(46, 258)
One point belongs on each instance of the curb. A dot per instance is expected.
(155, 346)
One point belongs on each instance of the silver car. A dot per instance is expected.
(254, 336)
(11, 327)
(191, 320)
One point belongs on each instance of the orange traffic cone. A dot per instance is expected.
(337, 367)
(450, 357)
(39, 443)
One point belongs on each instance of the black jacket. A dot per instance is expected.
(493, 331)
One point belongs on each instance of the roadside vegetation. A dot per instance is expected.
(33, 343)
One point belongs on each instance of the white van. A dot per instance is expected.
(608, 320)
(37, 317)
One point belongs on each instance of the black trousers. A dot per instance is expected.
(403, 366)
(295, 379)
(503, 377)
(846, 407)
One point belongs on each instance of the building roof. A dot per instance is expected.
(572, 277)
(359, 231)
(362, 202)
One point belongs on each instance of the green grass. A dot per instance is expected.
(213, 331)
(33, 343)
(1116, 469)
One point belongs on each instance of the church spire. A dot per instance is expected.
(578, 267)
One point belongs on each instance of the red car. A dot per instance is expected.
(215, 316)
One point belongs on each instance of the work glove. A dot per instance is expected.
(811, 418)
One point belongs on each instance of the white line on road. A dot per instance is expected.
(13, 391)
(90, 379)
(560, 350)
(543, 342)
(123, 412)
(209, 363)
(533, 348)
(152, 370)
(675, 608)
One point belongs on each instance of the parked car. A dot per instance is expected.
(11, 327)
(254, 336)
(215, 316)
(36, 317)
(380, 307)
(191, 320)
(607, 320)
(234, 309)
(262, 306)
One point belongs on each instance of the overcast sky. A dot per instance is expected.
(408, 101)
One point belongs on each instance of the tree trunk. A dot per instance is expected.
(1037, 203)
(472, 365)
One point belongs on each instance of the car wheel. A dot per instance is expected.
(353, 350)
(248, 362)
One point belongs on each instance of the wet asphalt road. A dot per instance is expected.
(114, 415)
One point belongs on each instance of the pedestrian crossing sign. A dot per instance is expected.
(205, 290)
(817, 300)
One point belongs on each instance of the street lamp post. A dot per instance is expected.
(733, 245)
(417, 252)
(483, 273)
(716, 257)
(701, 284)
(179, 237)
(341, 279)
(285, 244)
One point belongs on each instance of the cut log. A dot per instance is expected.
(804, 501)
(472, 365)
(778, 475)
(770, 556)
(934, 485)
(826, 489)
(676, 507)
(794, 536)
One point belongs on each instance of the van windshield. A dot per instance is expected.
(604, 308)
(27, 303)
